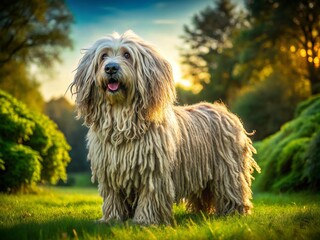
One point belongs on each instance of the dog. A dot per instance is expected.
(145, 152)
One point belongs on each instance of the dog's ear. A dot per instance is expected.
(83, 86)
(159, 83)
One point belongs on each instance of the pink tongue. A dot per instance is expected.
(113, 86)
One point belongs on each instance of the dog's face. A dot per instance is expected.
(123, 70)
(116, 74)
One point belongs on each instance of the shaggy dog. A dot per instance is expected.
(147, 153)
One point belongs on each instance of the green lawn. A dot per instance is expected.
(69, 213)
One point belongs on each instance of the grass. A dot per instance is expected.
(69, 213)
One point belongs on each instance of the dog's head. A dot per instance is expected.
(123, 70)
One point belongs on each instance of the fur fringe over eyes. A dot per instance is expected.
(147, 153)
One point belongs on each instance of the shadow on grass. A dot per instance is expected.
(70, 228)
(60, 228)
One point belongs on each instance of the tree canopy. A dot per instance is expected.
(209, 57)
(292, 26)
(32, 33)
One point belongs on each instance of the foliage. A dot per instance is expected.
(289, 26)
(32, 148)
(33, 33)
(210, 56)
(313, 163)
(21, 166)
(308, 107)
(239, 48)
(63, 114)
(288, 158)
(70, 213)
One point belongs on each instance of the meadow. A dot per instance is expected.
(70, 213)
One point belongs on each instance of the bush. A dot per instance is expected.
(290, 159)
(31, 148)
(22, 166)
(313, 163)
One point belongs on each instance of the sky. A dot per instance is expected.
(157, 21)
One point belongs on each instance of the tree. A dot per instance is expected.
(31, 148)
(211, 55)
(32, 32)
(292, 26)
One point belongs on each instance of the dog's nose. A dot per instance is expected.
(111, 68)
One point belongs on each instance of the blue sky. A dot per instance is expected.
(157, 21)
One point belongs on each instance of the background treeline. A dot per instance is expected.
(261, 59)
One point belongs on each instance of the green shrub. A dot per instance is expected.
(290, 159)
(32, 149)
(312, 170)
(22, 166)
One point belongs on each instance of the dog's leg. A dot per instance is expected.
(232, 193)
(113, 207)
(155, 206)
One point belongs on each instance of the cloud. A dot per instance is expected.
(165, 21)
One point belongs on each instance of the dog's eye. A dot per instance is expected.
(104, 56)
(126, 55)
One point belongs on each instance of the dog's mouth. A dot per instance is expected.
(113, 85)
